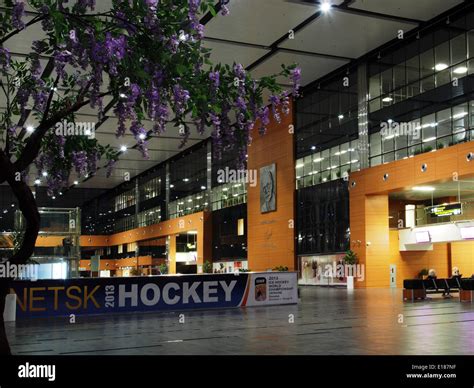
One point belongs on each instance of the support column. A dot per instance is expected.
(363, 116)
(171, 248)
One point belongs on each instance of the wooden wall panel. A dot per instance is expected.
(462, 256)
(369, 215)
(270, 236)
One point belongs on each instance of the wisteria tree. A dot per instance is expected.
(146, 58)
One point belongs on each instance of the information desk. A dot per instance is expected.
(84, 296)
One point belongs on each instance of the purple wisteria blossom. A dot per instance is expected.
(17, 15)
(296, 78)
(5, 58)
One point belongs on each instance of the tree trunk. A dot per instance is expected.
(27, 205)
(4, 346)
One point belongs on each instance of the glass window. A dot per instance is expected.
(374, 86)
(413, 69)
(427, 63)
(399, 78)
(443, 118)
(387, 81)
(470, 43)
(460, 118)
(388, 143)
(458, 49)
(428, 125)
(375, 144)
(374, 105)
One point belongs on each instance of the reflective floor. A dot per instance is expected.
(327, 321)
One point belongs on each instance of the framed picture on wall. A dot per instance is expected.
(268, 188)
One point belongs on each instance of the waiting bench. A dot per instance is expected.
(419, 288)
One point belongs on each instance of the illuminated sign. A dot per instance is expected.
(467, 233)
(446, 210)
(423, 237)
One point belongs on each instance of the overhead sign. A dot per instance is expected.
(46, 298)
(446, 210)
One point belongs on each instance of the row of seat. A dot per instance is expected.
(419, 288)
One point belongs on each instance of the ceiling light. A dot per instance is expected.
(203, 187)
(313, 147)
(37, 181)
(325, 7)
(186, 180)
(340, 117)
(460, 115)
(123, 95)
(460, 70)
(44, 173)
(76, 182)
(123, 148)
(423, 188)
(142, 136)
(30, 129)
(387, 99)
(171, 186)
(441, 66)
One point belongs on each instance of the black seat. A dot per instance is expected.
(453, 283)
(441, 284)
(429, 284)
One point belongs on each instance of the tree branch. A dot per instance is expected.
(31, 22)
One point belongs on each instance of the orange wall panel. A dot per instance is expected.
(270, 235)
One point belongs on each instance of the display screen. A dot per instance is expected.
(467, 232)
(423, 237)
(446, 210)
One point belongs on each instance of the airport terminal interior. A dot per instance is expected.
(352, 215)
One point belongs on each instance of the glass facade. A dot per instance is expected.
(437, 130)
(333, 163)
(418, 69)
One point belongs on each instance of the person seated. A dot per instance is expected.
(431, 274)
(456, 274)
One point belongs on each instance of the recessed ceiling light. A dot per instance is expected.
(441, 66)
(30, 129)
(203, 187)
(44, 173)
(423, 188)
(123, 148)
(76, 182)
(37, 181)
(460, 70)
(186, 180)
(340, 117)
(142, 136)
(325, 7)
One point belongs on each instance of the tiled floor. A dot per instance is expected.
(327, 321)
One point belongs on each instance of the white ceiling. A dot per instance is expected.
(255, 34)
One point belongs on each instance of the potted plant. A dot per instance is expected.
(163, 269)
(350, 258)
(207, 267)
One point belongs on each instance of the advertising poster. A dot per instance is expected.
(46, 298)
